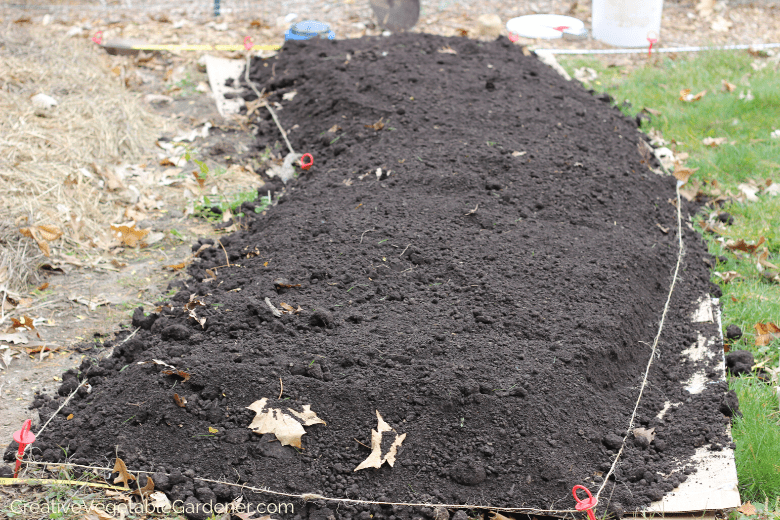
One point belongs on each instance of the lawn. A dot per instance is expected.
(741, 105)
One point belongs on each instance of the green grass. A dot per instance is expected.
(749, 153)
(758, 446)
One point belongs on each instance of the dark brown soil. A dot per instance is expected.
(497, 308)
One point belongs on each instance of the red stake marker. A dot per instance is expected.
(561, 28)
(306, 166)
(248, 43)
(650, 49)
(584, 505)
(23, 437)
(98, 38)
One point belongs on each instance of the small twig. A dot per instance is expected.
(281, 388)
(225, 251)
(364, 232)
(404, 251)
(264, 102)
(472, 211)
(361, 444)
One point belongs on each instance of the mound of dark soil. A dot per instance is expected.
(492, 293)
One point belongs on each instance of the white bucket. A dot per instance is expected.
(627, 23)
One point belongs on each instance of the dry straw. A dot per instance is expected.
(50, 159)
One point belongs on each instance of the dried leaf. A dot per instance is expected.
(176, 267)
(288, 429)
(727, 276)
(333, 129)
(685, 95)
(200, 180)
(25, 322)
(276, 312)
(729, 87)
(682, 174)
(645, 433)
(764, 262)
(747, 509)
(148, 488)
(378, 125)
(766, 333)
(748, 192)
(124, 476)
(180, 401)
(447, 50)
(213, 430)
(15, 337)
(741, 245)
(714, 141)
(128, 235)
(96, 513)
(176, 372)
(42, 236)
(159, 501)
(375, 458)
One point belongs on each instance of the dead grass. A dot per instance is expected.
(51, 160)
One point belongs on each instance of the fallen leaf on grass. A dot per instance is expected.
(727, 276)
(129, 235)
(685, 95)
(729, 87)
(683, 174)
(288, 429)
(714, 141)
(766, 333)
(585, 74)
(124, 476)
(375, 458)
(747, 509)
(741, 245)
(747, 192)
(764, 262)
(42, 236)
(378, 125)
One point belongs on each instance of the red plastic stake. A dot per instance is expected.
(650, 49)
(98, 38)
(248, 43)
(561, 28)
(584, 505)
(23, 437)
(306, 166)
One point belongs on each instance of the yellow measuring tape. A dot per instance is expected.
(204, 47)
(41, 481)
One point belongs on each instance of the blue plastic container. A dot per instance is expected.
(309, 29)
